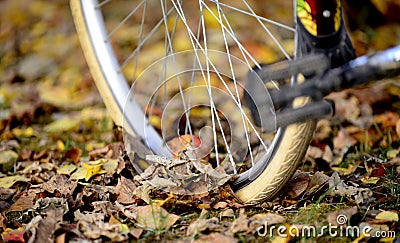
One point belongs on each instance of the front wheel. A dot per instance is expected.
(168, 69)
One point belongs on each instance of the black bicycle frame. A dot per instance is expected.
(362, 70)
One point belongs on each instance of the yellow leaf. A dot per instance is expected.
(387, 215)
(391, 154)
(345, 171)
(124, 229)
(113, 220)
(370, 180)
(93, 168)
(80, 173)
(8, 156)
(88, 170)
(63, 125)
(155, 121)
(91, 146)
(66, 169)
(60, 145)
(110, 166)
(28, 132)
(7, 182)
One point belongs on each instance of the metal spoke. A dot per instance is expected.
(256, 16)
(112, 32)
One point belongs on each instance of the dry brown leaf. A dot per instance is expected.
(73, 154)
(297, 184)
(136, 233)
(143, 191)
(125, 190)
(229, 213)
(129, 211)
(264, 219)
(339, 188)
(317, 179)
(93, 226)
(60, 184)
(49, 225)
(343, 140)
(241, 224)
(202, 224)
(220, 205)
(179, 144)
(155, 217)
(188, 176)
(23, 203)
(6, 193)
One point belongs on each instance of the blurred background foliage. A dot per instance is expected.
(44, 77)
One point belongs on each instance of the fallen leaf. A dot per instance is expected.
(125, 190)
(60, 184)
(136, 233)
(370, 180)
(49, 225)
(270, 218)
(155, 217)
(339, 188)
(92, 146)
(27, 133)
(23, 203)
(229, 213)
(93, 226)
(88, 170)
(8, 157)
(297, 184)
(73, 154)
(66, 169)
(317, 180)
(6, 193)
(220, 205)
(202, 224)
(110, 166)
(241, 224)
(143, 191)
(63, 125)
(345, 171)
(343, 140)
(18, 235)
(9, 181)
(181, 143)
(388, 216)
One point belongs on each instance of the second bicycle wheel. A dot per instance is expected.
(186, 62)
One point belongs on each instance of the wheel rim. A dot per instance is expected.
(111, 69)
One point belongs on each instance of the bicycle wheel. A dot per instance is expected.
(192, 58)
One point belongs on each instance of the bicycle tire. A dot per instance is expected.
(264, 184)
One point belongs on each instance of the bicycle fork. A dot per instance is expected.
(362, 70)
